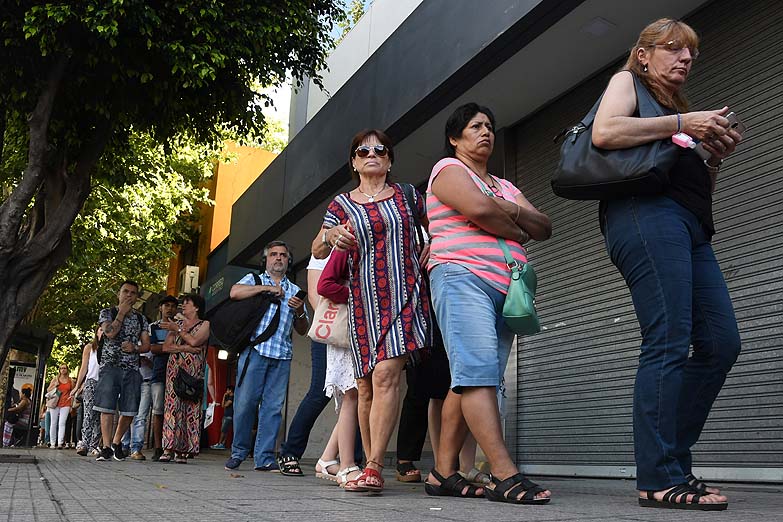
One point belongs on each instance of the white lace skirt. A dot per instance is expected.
(339, 374)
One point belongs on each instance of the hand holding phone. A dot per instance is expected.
(735, 123)
(301, 294)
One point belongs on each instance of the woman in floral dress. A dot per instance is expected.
(187, 342)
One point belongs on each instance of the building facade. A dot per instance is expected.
(540, 65)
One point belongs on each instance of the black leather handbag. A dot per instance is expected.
(187, 387)
(587, 172)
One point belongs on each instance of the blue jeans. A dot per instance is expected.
(313, 403)
(134, 437)
(266, 382)
(680, 299)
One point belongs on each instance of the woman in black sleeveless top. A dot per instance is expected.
(661, 246)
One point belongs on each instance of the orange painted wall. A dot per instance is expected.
(229, 180)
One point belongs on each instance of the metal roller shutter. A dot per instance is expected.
(575, 379)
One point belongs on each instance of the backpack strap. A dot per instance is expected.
(268, 332)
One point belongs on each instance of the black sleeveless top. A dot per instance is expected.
(690, 186)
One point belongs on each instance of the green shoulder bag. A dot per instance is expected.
(519, 310)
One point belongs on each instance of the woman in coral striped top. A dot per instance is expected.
(468, 210)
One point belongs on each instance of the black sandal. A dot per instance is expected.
(451, 487)
(408, 472)
(508, 490)
(677, 498)
(699, 485)
(289, 466)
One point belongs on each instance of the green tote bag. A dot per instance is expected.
(519, 310)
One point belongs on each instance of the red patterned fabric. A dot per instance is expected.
(388, 298)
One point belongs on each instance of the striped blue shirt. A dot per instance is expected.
(280, 345)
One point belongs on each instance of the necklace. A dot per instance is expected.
(370, 198)
(491, 185)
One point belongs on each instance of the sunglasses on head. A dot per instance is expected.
(364, 150)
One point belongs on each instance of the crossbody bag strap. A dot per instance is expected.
(511, 263)
(410, 198)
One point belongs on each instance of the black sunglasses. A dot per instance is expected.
(364, 150)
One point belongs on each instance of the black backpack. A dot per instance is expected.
(232, 322)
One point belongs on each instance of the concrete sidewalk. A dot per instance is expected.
(61, 486)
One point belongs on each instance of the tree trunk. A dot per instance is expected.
(35, 220)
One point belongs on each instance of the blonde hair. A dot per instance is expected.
(662, 30)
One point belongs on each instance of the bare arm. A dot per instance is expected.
(343, 233)
(312, 287)
(197, 339)
(454, 188)
(239, 292)
(527, 217)
(297, 306)
(52, 385)
(615, 127)
(23, 403)
(83, 368)
(145, 342)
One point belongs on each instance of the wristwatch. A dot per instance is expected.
(302, 315)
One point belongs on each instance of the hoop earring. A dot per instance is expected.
(644, 68)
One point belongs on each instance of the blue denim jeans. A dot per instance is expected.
(134, 437)
(470, 314)
(313, 403)
(680, 299)
(265, 382)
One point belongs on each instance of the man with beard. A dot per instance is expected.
(268, 363)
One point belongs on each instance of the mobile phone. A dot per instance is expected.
(301, 294)
(735, 123)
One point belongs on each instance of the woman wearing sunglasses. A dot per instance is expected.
(388, 298)
(661, 246)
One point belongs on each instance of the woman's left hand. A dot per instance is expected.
(424, 256)
(722, 146)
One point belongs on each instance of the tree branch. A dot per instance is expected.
(13, 209)
(66, 208)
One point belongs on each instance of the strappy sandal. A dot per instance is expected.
(181, 459)
(699, 485)
(476, 477)
(451, 487)
(349, 485)
(508, 490)
(677, 498)
(166, 457)
(324, 473)
(289, 466)
(408, 472)
(371, 479)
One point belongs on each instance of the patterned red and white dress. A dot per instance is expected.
(389, 298)
(181, 418)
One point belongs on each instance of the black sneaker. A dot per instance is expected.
(118, 453)
(105, 454)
